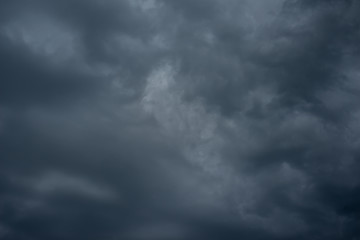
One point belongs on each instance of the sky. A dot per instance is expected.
(179, 119)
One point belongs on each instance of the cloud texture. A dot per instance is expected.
(179, 119)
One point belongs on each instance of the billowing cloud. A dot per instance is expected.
(192, 119)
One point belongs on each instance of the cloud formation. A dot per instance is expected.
(192, 119)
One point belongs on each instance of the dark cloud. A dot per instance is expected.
(154, 119)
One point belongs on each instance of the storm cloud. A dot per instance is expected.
(179, 119)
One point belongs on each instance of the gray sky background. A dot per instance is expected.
(179, 119)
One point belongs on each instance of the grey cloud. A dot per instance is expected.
(154, 119)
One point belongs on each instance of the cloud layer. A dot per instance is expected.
(192, 119)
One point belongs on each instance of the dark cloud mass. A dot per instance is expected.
(179, 119)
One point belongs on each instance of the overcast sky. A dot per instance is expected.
(179, 119)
